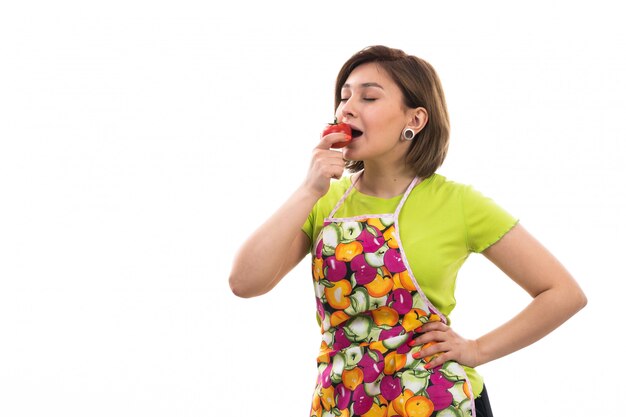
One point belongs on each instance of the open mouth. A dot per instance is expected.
(356, 133)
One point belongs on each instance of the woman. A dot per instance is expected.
(386, 245)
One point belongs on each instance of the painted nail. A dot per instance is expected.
(427, 366)
(416, 355)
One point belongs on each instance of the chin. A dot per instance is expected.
(350, 154)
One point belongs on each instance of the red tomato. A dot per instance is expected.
(338, 128)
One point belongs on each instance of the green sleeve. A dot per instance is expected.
(315, 222)
(485, 221)
(307, 227)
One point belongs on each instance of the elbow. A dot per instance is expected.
(569, 299)
(576, 298)
(581, 300)
(244, 286)
(238, 287)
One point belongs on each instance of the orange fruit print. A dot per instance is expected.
(380, 286)
(352, 378)
(418, 406)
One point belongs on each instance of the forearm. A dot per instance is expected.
(261, 257)
(547, 311)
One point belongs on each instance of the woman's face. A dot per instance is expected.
(372, 104)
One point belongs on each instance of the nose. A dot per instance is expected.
(346, 110)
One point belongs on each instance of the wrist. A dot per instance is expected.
(480, 356)
(313, 191)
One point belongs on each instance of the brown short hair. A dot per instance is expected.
(421, 87)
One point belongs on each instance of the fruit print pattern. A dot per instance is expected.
(369, 308)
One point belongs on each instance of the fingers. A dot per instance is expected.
(430, 332)
(438, 343)
(326, 164)
(435, 355)
(327, 141)
(433, 325)
(329, 162)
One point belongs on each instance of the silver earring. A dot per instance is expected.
(408, 134)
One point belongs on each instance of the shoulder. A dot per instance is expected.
(439, 187)
(445, 199)
(454, 192)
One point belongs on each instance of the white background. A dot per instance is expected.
(141, 142)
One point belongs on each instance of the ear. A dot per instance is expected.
(418, 119)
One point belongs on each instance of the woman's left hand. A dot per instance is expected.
(446, 345)
(556, 297)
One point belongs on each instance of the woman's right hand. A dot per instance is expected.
(256, 270)
(326, 164)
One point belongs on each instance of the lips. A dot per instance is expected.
(355, 132)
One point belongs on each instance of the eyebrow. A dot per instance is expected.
(364, 85)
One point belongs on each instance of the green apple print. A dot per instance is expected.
(449, 412)
(339, 363)
(354, 355)
(387, 221)
(350, 231)
(377, 259)
(359, 302)
(415, 380)
(331, 236)
(358, 328)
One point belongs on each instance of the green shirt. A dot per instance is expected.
(441, 223)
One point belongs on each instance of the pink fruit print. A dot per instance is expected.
(393, 261)
(363, 272)
(440, 396)
(393, 332)
(341, 341)
(335, 270)
(362, 401)
(319, 248)
(343, 395)
(390, 387)
(320, 310)
(372, 368)
(371, 239)
(325, 377)
(437, 378)
(400, 300)
(403, 349)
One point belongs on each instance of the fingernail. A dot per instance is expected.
(427, 366)
(412, 343)
(416, 355)
(419, 329)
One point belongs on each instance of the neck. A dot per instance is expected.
(384, 182)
